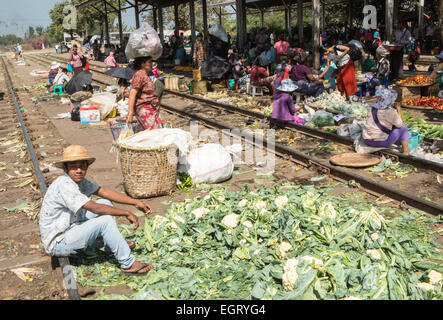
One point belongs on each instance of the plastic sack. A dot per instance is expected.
(142, 42)
(210, 163)
(214, 68)
(307, 116)
(217, 30)
(105, 101)
(163, 137)
(323, 119)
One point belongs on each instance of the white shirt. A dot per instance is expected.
(343, 60)
(402, 37)
(61, 78)
(62, 207)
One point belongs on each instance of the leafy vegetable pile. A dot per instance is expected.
(422, 127)
(285, 242)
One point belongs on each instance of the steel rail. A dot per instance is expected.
(396, 156)
(382, 189)
(67, 272)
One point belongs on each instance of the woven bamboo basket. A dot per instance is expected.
(148, 172)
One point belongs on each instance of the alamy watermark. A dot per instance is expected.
(257, 150)
(70, 19)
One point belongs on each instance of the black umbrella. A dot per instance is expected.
(120, 72)
(80, 79)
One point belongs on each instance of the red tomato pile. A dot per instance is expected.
(432, 102)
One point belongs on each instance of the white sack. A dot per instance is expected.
(163, 137)
(105, 101)
(217, 30)
(210, 163)
(144, 42)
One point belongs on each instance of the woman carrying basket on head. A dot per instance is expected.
(144, 103)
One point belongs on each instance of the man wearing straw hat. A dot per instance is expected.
(70, 221)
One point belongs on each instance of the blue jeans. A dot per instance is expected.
(84, 234)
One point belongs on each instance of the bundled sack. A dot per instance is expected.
(105, 101)
(323, 119)
(217, 31)
(163, 137)
(210, 163)
(214, 68)
(144, 42)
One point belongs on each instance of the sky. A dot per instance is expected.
(17, 15)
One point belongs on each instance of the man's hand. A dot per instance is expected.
(133, 219)
(145, 207)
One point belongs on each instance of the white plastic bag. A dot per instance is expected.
(217, 30)
(210, 163)
(144, 42)
(163, 137)
(105, 101)
(307, 116)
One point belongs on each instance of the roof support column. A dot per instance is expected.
(107, 24)
(192, 15)
(176, 26)
(421, 5)
(120, 24)
(160, 22)
(205, 18)
(241, 22)
(350, 18)
(316, 32)
(300, 21)
(389, 19)
(154, 16)
(137, 15)
(289, 23)
(262, 18)
(323, 22)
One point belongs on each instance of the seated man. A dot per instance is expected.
(70, 221)
(62, 78)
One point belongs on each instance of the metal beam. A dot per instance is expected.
(137, 15)
(205, 18)
(120, 23)
(300, 21)
(192, 14)
(160, 24)
(108, 40)
(316, 32)
(389, 18)
(420, 4)
(176, 26)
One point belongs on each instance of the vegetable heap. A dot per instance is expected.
(422, 127)
(431, 102)
(284, 242)
(416, 80)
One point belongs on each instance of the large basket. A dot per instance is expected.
(148, 172)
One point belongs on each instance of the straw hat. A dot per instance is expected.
(55, 65)
(74, 153)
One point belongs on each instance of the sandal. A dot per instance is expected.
(131, 244)
(136, 271)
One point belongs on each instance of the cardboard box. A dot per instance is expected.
(89, 114)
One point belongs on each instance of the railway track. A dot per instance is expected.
(315, 157)
(395, 156)
(32, 130)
